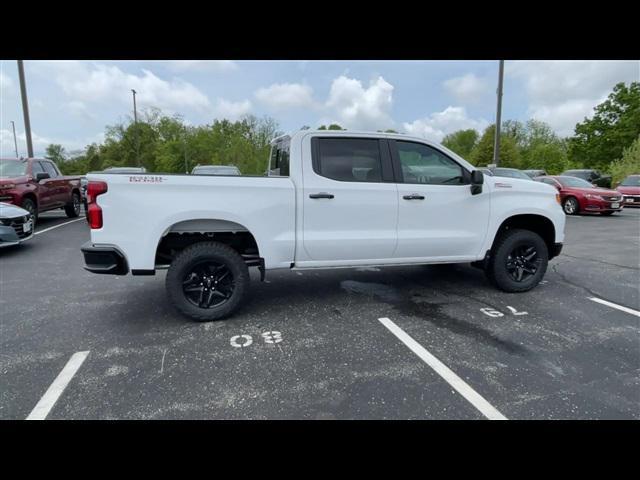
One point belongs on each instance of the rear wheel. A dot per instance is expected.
(207, 281)
(30, 206)
(73, 209)
(571, 206)
(519, 261)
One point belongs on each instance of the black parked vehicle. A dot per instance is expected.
(594, 177)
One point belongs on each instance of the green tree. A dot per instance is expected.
(482, 153)
(614, 126)
(56, 153)
(628, 164)
(461, 142)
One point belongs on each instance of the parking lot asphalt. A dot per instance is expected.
(311, 345)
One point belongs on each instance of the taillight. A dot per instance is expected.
(94, 212)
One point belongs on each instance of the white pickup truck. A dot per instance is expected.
(329, 199)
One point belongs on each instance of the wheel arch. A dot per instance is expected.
(536, 223)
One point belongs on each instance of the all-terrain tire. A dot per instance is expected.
(505, 260)
(192, 258)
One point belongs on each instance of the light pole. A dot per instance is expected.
(25, 108)
(15, 141)
(496, 144)
(135, 122)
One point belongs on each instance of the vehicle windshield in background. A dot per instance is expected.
(631, 181)
(216, 170)
(576, 173)
(574, 182)
(510, 173)
(12, 168)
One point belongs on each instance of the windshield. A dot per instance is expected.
(574, 182)
(12, 168)
(506, 172)
(577, 173)
(631, 181)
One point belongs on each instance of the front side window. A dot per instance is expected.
(349, 159)
(50, 169)
(420, 163)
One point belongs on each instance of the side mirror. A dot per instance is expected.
(477, 179)
(42, 176)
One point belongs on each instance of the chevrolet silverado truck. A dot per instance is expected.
(37, 185)
(328, 200)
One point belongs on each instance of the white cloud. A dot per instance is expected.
(468, 88)
(40, 143)
(438, 124)
(95, 82)
(202, 65)
(231, 110)
(563, 93)
(6, 83)
(357, 107)
(286, 95)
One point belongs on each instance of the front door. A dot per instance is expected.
(438, 217)
(350, 201)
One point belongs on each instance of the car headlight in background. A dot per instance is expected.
(593, 197)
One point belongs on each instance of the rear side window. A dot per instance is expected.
(348, 159)
(279, 162)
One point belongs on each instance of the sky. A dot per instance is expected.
(71, 102)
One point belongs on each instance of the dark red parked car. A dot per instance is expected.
(577, 195)
(630, 188)
(37, 185)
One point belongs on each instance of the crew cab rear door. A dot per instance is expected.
(438, 217)
(349, 199)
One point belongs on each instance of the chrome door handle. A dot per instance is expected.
(413, 196)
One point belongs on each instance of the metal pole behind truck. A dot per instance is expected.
(496, 143)
(25, 109)
(15, 140)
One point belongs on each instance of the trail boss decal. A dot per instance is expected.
(146, 179)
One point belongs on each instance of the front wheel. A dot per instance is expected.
(207, 281)
(571, 206)
(30, 206)
(519, 261)
(73, 209)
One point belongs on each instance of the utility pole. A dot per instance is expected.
(496, 144)
(15, 141)
(135, 122)
(25, 109)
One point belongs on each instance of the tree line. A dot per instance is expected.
(609, 141)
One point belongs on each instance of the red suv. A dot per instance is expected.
(37, 185)
(577, 195)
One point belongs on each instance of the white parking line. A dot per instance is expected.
(441, 369)
(616, 306)
(48, 400)
(59, 225)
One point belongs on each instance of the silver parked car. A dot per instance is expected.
(16, 225)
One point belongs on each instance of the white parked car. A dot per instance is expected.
(16, 225)
(330, 199)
